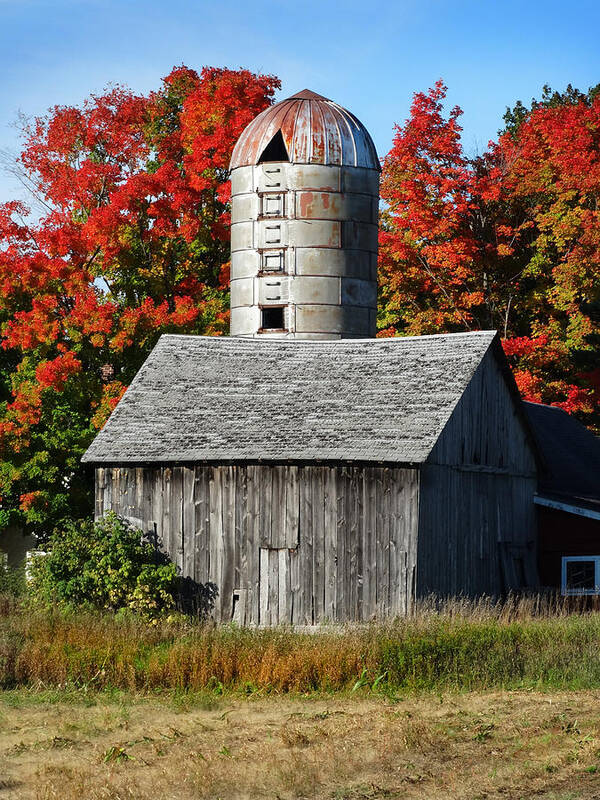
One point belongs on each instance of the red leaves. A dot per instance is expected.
(55, 373)
(215, 114)
(132, 245)
(509, 240)
(111, 395)
(136, 324)
(428, 186)
(31, 500)
(29, 329)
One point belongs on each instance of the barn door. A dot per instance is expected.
(276, 595)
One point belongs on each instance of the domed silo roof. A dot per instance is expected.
(313, 129)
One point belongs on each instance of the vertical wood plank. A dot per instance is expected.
(284, 587)
(99, 492)
(253, 547)
(370, 544)
(124, 491)
(108, 482)
(228, 545)
(156, 479)
(189, 522)
(273, 587)
(216, 536)
(201, 525)
(116, 491)
(264, 616)
(131, 492)
(383, 543)
(295, 613)
(166, 513)
(278, 511)
(292, 508)
(412, 533)
(141, 505)
(177, 517)
(396, 498)
(240, 539)
(342, 545)
(353, 505)
(265, 503)
(241, 606)
(305, 611)
(330, 542)
(318, 539)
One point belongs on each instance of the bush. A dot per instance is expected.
(12, 581)
(106, 565)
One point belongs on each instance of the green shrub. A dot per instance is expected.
(106, 565)
(12, 581)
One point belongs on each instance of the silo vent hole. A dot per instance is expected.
(275, 150)
(272, 318)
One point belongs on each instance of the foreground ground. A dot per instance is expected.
(476, 745)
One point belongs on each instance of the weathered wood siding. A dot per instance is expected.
(476, 515)
(283, 544)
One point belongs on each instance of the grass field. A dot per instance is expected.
(509, 745)
(468, 702)
(463, 647)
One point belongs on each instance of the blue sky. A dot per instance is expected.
(368, 56)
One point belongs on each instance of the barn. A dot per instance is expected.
(567, 501)
(326, 480)
(308, 470)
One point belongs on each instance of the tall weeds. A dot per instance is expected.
(533, 642)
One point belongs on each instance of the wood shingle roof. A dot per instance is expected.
(199, 398)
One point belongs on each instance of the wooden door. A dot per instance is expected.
(275, 585)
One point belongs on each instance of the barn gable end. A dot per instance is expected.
(477, 518)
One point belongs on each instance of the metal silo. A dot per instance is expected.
(305, 197)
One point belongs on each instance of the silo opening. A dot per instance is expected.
(275, 150)
(272, 318)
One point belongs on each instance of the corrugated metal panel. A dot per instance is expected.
(315, 131)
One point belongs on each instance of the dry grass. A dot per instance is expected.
(463, 646)
(459, 746)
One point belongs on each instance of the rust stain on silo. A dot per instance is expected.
(306, 204)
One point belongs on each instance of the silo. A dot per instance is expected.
(305, 197)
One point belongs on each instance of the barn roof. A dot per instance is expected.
(199, 398)
(570, 453)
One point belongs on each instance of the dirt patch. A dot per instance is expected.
(477, 746)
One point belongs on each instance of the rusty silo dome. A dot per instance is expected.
(304, 209)
(313, 130)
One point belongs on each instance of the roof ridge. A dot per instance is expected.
(382, 340)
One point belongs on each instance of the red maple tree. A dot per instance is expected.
(507, 240)
(132, 242)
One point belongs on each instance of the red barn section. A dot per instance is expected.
(567, 500)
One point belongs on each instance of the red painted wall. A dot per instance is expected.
(561, 534)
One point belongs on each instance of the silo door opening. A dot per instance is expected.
(272, 318)
(275, 150)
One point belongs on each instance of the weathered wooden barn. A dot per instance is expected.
(326, 480)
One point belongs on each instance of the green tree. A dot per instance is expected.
(509, 240)
(133, 242)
